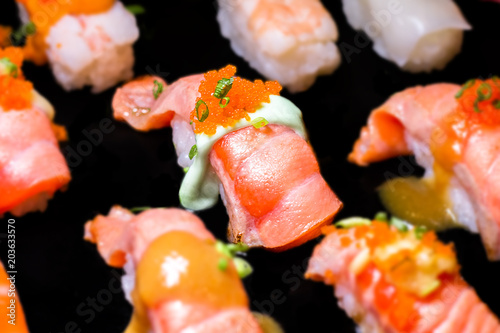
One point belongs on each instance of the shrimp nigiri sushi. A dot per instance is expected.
(85, 42)
(289, 41)
(243, 138)
(393, 281)
(417, 35)
(11, 311)
(177, 277)
(32, 167)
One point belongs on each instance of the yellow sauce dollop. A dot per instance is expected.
(178, 266)
(422, 202)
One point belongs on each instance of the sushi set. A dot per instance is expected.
(256, 166)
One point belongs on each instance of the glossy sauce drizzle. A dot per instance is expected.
(426, 201)
(180, 267)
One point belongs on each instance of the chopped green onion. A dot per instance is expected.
(222, 105)
(205, 113)
(466, 86)
(186, 169)
(29, 28)
(223, 87)
(353, 222)
(430, 288)
(398, 224)
(139, 209)
(495, 80)
(7, 67)
(259, 122)
(243, 268)
(157, 89)
(381, 216)
(496, 104)
(237, 248)
(476, 106)
(222, 265)
(221, 247)
(481, 94)
(193, 152)
(26, 30)
(420, 231)
(136, 9)
(230, 250)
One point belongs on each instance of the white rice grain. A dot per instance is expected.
(93, 50)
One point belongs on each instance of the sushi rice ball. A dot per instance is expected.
(290, 41)
(83, 49)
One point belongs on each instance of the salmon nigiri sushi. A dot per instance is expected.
(454, 133)
(32, 167)
(391, 280)
(11, 311)
(85, 42)
(289, 41)
(242, 138)
(178, 277)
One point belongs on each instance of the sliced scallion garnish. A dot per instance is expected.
(223, 105)
(243, 268)
(26, 30)
(230, 251)
(476, 106)
(420, 231)
(222, 265)
(193, 152)
(223, 87)
(205, 112)
(8, 67)
(484, 92)
(382, 217)
(136, 9)
(157, 89)
(430, 288)
(259, 122)
(398, 224)
(496, 81)
(353, 222)
(466, 86)
(139, 209)
(496, 104)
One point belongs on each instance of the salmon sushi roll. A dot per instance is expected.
(453, 132)
(395, 280)
(85, 42)
(242, 139)
(178, 277)
(32, 167)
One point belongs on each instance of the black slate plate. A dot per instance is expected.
(64, 284)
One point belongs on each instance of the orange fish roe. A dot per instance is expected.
(407, 262)
(480, 101)
(60, 132)
(15, 93)
(245, 97)
(15, 55)
(45, 13)
(402, 270)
